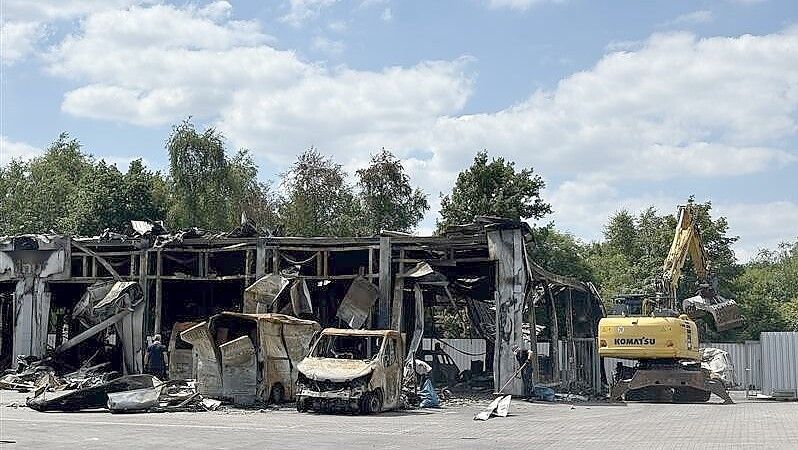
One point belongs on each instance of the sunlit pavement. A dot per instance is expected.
(747, 424)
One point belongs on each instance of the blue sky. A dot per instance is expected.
(618, 104)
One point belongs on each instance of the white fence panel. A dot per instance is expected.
(544, 349)
(462, 351)
(779, 362)
(753, 355)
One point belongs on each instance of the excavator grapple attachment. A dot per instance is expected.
(724, 313)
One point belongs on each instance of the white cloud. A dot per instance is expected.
(49, 10)
(328, 46)
(760, 225)
(387, 15)
(217, 10)
(621, 46)
(18, 39)
(520, 5)
(693, 18)
(303, 10)
(668, 109)
(159, 27)
(337, 26)
(15, 150)
(346, 111)
(672, 106)
(156, 65)
(25, 22)
(153, 65)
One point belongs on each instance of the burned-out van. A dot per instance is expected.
(243, 357)
(352, 370)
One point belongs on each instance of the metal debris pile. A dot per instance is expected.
(95, 387)
(171, 396)
(24, 379)
(33, 373)
(130, 393)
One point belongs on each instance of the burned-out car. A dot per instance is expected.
(349, 370)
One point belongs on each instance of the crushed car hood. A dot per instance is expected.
(322, 369)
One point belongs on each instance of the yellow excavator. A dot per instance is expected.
(663, 340)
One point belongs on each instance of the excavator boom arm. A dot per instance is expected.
(687, 240)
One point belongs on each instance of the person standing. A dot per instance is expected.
(155, 361)
(524, 358)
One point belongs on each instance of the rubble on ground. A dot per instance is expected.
(129, 393)
(96, 387)
(31, 372)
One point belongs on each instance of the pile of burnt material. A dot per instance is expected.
(97, 387)
(32, 373)
(129, 393)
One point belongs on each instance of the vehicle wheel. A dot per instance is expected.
(278, 393)
(363, 406)
(302, 404)
(379, 405)
(371, 403)
(374, 403)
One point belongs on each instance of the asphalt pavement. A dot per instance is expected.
(747, 424)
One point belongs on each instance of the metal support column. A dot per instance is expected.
(383, 321)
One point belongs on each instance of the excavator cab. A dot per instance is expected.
(640, 305)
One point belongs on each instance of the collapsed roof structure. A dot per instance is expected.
(481, 270)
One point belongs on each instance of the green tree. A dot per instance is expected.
(768, 292)
(209, 190)
(620, 234)
(198, 169)
(493, 188)
(247, 194)
(106, 198)
(146, 193)
(387, 199)
(65, 190)
(35, 194)
(318, 201)
(561, 253)
(98, 201)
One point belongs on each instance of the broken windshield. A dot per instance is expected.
(348, 347)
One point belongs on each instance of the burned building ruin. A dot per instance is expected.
(480, 271)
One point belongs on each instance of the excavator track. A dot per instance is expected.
(671, 385)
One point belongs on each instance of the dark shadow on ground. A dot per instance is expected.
(392, 413)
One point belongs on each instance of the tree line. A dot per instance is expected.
(66, 190)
